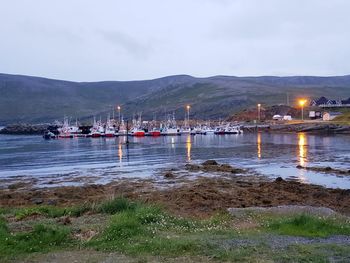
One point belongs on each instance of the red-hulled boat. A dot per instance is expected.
(154, 133)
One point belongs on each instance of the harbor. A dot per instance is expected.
(114, 128)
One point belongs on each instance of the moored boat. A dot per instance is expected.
(137, 132)
(110, 130)
(49, 135)
(97, 130)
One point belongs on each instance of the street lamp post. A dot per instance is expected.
(188, 114)
(259, 110)
(302, 103)
(119, 108)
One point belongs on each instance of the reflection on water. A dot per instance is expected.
(302, 149)
(269, 154)
(120, 152)
(302, 141)
(258, 142)
(188, 146)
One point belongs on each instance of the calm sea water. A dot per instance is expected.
(88, 160)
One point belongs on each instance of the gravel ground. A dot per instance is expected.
(279, 241)
(285, 209)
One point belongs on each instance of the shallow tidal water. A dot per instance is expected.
(89, 160)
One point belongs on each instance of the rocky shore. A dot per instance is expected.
(322, 128)
(219, 187)
(314, 128)
(26, 129)
(311, 128)
(223, 214)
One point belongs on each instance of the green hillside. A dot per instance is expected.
(33, 99)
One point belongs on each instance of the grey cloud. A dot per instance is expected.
(128, 43)
(114, 39)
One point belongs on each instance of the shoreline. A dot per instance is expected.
(231, 215)
(279, 127)
(221, 188)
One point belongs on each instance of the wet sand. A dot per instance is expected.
(214, 189)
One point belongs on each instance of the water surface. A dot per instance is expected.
(89, 160)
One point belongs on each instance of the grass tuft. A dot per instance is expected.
(308, 226)
(41, 239)
(52, 211)
(116, 205)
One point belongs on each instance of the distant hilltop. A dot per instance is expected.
(34, 99)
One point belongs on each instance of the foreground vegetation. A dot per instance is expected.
(144, 232)
(343, 119)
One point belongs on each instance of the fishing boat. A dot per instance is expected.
(74, 129)
(233, 130)
(110, 130)
(48, 135)
(154, 132)
(199, 130)
(136, 130)
(65, 130)
(122, 131)
(185, 131)
(209, 130)
(170, 128)
(97, 130)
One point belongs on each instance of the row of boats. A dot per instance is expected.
(111, 128)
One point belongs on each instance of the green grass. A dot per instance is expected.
(344, 118)
(308, 226)
(141, 231)
(41, 239)
(108, 207)
(144, 230)
(116, 205)
(50, 211)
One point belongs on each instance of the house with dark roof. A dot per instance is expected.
(346, 102)
(327, 103)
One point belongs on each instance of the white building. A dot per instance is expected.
(328, 116)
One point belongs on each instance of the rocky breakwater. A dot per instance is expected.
(311, 128)
(27, 129)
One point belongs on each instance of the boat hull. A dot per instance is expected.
(138, 134)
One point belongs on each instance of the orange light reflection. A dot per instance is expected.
(120, 152)
(188, 146)
(258, 141)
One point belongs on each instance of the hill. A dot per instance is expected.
(34, 99)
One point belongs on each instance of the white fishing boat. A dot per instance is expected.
(233, 129)
(65, 130)
(122, 131)
(109, 130)
(136, 130)
(170, 128)
(97, 130)
(185, 131)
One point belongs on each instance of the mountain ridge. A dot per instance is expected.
(36, 99)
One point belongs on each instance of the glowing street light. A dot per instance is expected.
(302, 103)
(259, 109)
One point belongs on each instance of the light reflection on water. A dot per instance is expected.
(188, 146)
(258, 143)
(302, 149)
(302, 145)
(270, 154)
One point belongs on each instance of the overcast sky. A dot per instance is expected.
(87, 40)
